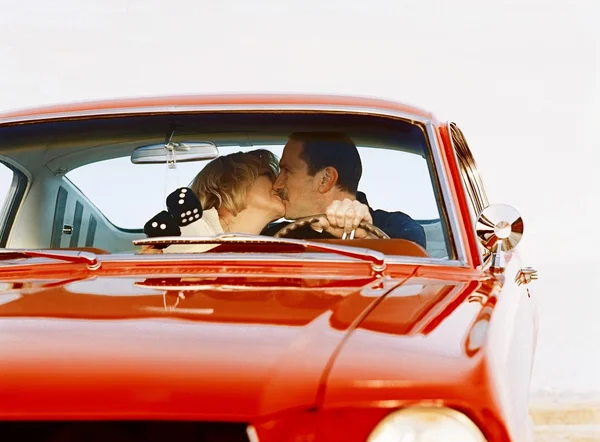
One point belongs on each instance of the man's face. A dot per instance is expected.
(297, 189)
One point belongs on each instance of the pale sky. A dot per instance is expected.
(520, 78)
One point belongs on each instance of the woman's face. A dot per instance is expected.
(261, 197)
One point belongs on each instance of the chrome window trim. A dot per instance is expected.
(21, 181)
(300, 258)
(7, 205)
(464, 189)
(451, 213)
(457, 239)
(236, 259)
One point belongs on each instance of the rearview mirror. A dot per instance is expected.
(179, 152)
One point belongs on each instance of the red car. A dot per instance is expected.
(268, 338)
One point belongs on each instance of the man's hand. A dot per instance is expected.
(344, 217)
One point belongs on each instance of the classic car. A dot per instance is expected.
(266, 338)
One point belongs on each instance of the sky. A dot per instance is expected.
(521, 78)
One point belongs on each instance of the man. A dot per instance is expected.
(319, 173)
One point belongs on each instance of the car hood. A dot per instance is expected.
(212, 349)
(215, 348)
(427, 337)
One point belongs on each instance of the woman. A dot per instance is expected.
(236, 194)
(237, 190)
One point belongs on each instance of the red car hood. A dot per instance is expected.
(427, 343)
(143, 348)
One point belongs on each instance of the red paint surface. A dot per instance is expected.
(107, 348)
(213, 100)
(299, 349)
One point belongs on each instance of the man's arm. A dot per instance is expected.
(340, 217)
(344, 216)
(399, 225)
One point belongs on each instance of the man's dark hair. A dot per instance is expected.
(331, 149)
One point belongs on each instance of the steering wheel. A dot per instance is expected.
(307, 220)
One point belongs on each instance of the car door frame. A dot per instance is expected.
(471, 181)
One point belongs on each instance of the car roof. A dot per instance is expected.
(183, 102)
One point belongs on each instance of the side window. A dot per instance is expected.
(469, 173)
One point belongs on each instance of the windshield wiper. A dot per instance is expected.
(377, 259)
(75, 257)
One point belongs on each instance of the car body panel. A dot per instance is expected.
(309, 344)
(173, 103)
(231, 351)
(459, 197)
(476, 357)
(303, 347)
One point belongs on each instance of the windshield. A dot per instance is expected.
(85, 190)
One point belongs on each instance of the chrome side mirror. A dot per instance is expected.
(499, 229)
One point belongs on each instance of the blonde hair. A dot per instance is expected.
(224, 182)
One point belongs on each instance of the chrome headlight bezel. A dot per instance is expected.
(424, 423)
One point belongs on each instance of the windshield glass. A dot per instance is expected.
(88, 192)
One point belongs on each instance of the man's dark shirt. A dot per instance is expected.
(396, 224)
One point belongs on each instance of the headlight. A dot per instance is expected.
(426, 424)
